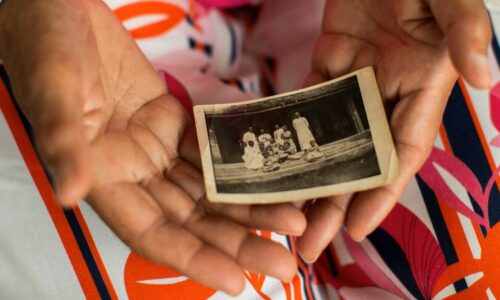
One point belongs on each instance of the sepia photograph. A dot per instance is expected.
(293, 146)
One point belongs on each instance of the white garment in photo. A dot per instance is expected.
(249, 136)
(253, 158)
(278, 136)
(265, 139)
(304, 134)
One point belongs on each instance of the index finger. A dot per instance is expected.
(143, 227)
(467, 28)
(415, 123)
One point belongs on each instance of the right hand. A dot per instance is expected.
(416, 48)
(108, 130)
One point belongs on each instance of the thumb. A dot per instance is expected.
(49, 69)
(56, 114)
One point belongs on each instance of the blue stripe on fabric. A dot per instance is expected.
(466, 144)
(495, 46)
(395, 259)
(232, 34)
(87, 254)
(331, 263)
(301, 274)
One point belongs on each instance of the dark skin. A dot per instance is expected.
(417, 47)
(112, 134)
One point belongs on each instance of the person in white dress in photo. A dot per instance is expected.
(303, 130)
(253, 158)
(288, 141)
(278, 135)
(249, 136)
(265, 139)
(313, 153)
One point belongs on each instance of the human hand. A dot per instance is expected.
(107, 128)
(416, 48)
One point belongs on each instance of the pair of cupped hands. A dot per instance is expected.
(110, 132)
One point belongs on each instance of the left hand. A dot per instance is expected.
(414, 46)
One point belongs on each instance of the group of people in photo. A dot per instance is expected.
(267, 152)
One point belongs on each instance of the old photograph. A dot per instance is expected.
(292, 146)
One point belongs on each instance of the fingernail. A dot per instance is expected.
(357, 237)
(480, 62)
(289, 280)
(311, 258)
(308, 260)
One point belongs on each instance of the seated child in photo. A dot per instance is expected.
(253, 158)
(265, 139)
(288, 138)
(270, 160)
(279, 151)
(313, 153)
(292, 152)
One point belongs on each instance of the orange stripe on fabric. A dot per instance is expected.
(305, 271)
(307, 283)
(452, 221)
(455, 229)
(42, 183)
(95, 253)
(479, 130)
(288, 290)
(297, 292)
(258, 290)
(172, 16)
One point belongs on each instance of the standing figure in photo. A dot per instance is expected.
(313, 153)
(278, 135)
(249, 136)
(265, 139)
(303, 130)
(288, 142)
(253, 158)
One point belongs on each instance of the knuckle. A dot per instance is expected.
(479, 29)
(473, 26)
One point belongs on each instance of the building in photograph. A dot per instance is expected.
(331, 118)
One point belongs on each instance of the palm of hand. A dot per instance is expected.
(146, 160)
(400, 39)
(110, 129)
(404, 44)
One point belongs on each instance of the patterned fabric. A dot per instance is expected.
(440, 241)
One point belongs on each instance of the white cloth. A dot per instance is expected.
(253, 158)
(314, 154)
(287, 138)
(304, 134)
(265, 139)
(278, 136)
